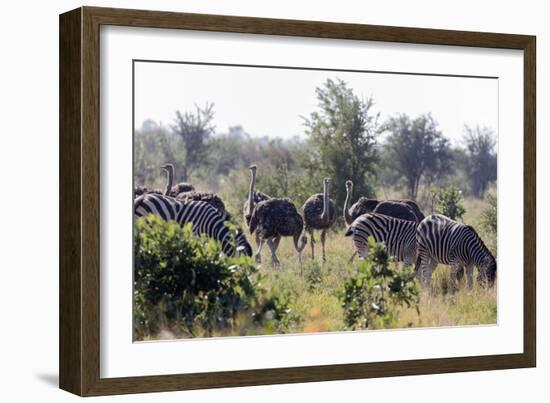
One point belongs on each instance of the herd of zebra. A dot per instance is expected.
(408, 235)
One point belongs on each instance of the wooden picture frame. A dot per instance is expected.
(79, 347)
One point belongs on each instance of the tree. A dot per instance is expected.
(416, 150)
(448, 201)
(194, 130)
(342, 132)
(481, 158)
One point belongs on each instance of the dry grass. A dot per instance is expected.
(314, 295)
(313, 288)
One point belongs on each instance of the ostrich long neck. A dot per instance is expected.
(324, 215)
(347, 215)
(170, 173)
(251, 192)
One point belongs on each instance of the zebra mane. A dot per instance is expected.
(480, 241)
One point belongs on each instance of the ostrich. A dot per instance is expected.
(274, 218)
(185, 192)
(211, 198)
(139, 190)
(181, 187)
(319, 213)
(396, 209)
(362, 206)
(404, 209)
(254, 197)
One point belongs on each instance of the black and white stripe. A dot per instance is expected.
(205, 219)
(442, 240)
(399, 236)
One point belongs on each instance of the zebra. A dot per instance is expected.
(399, 236)
(442, 240)
(205, 219)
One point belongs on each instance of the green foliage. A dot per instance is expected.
(187, 282)
(342, 134)
(448, 201)
(488, 219)
(489, 215)
(373, 296)
(481, 158)
(416, 150)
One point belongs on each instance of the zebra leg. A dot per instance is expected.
(323, 239)
(258, 255)
(460, 273)
(427, 272)
(454, 274)
(470, 275)
(352, 257)
(273, 244)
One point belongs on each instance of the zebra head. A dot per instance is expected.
(242, 244)
(488, 270)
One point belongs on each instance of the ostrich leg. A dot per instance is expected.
(273, 245)
(258, 255)
(323, 238)
(312, 245)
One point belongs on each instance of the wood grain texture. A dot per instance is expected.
(70, 275)
(80, 193)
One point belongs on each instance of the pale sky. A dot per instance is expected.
(269, 102)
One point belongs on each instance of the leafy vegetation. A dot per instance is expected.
(448, 201)
(416, 150)
(372, 297)
(186, 284)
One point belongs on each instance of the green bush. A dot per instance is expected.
(185, 283)
(373, 296)
(489, 216)
(488, 220)
(448, 201)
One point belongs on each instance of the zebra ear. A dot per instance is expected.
(349, 231)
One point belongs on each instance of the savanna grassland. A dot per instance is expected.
(184, 287)
(311, 293)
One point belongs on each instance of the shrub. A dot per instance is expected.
(373, 296)
(185, 282)
(448, 201)
(489, 216)
(488, 220)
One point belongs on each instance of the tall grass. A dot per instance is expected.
(311, 290)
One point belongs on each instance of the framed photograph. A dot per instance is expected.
(248, 201)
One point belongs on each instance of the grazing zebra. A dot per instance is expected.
(442, 240)
(205, 219)
(399, 236)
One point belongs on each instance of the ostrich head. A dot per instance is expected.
(349, 186)
(169, 168)
(252, 168)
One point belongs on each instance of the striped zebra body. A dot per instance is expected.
(205, 219)
(399, 236)
(442, 240)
